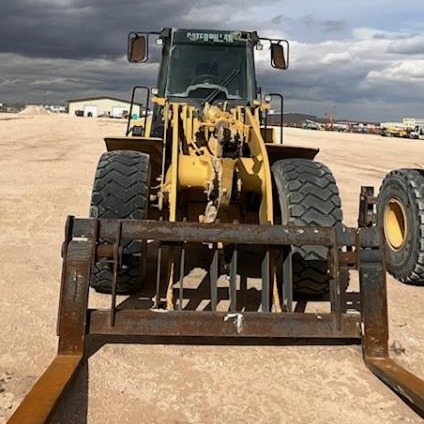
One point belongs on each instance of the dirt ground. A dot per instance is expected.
(47, 165)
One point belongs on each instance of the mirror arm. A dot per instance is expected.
(279, 41)
(139, 34)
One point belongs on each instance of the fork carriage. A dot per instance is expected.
(351, 248)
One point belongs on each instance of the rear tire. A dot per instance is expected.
(121, 191)
(308, 195)
(400, 212)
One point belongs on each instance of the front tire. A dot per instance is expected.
(308, 195)
(400, 212)
(121, 191)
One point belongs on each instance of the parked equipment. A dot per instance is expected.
(417, 133)
(399, 211)
(205, 178)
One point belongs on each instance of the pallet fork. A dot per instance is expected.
(351, 248)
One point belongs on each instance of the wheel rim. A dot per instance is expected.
(395, 224)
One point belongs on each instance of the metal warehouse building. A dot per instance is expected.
(98, 106)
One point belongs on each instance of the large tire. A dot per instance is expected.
(400, 212)
(308, 195)
(121, 190)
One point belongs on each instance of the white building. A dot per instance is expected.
(98, 106)
(412, 122)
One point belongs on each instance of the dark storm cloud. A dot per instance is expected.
(28, 79)
(74, 48)
(96, 28)
(358, 78)
(80, 29)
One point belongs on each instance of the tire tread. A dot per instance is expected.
(312, 199)
(121, 191)
(413, 180)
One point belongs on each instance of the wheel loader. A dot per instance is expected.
(199, 173)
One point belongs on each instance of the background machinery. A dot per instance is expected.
(201, 178)
(399, 211)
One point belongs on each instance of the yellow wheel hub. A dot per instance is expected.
(395, 224)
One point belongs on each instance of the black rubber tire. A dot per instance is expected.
(308, 195)
(121, 190)
(405, 186)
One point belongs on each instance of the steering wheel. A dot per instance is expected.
(205, 79)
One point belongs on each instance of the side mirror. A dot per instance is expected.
(278, 59)
(137, 48)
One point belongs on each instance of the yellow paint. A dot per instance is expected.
(195, 171)
(258, 150)
(196, 163)
(395, 224)
(174, 170)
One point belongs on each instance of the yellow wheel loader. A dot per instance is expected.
(200, 176)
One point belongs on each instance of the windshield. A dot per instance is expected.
(199, 69)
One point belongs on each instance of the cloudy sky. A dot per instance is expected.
(360, 60)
